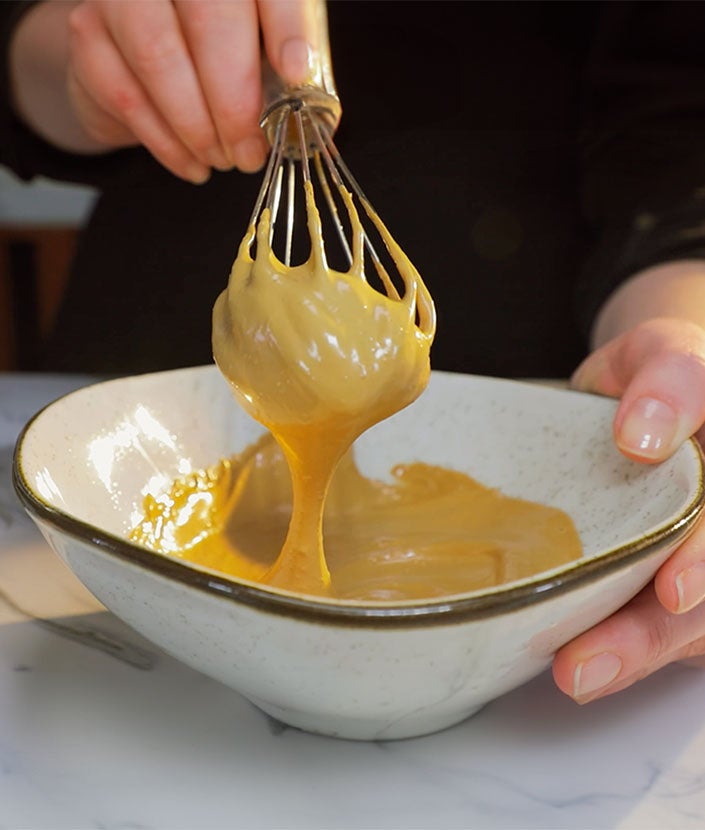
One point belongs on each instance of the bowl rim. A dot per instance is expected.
(449, 610)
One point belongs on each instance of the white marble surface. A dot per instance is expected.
(100, 730)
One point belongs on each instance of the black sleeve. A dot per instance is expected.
(28, 155)
(643, 143)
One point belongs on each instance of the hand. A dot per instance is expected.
(182, 78)
(658, 371)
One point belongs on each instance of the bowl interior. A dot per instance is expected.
(92, 454)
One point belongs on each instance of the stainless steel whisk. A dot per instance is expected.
(299, 123)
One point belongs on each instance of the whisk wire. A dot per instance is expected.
(333, 158)
(349, 181)
(332, 207)
(273, 201)
(300, 135)
(273, 162)
(303, 149)
(290, 202)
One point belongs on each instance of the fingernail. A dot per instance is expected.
(296, 60)
(249, 154)
(197, 173)
(596, 673)
(648, 429)
(690, 585)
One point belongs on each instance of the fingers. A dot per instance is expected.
(663, 405)
(636, 641)
(658, 369)
(680, 582)
(223, 41)
(182, 78)
(663, 624)
(290, 29)
(107, 91)
(98, 123)
(150, 40)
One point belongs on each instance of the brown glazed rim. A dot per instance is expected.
(453, 610)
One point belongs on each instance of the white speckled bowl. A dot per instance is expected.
(354, 670)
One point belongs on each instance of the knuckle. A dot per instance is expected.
(124, 100)
(155, 53)
(199, 16)
(240, 116)
(692, 361)
(659, 639)
(208, 15)
(194, 128)
(683, 353)
(80, 21)
(202, 141)
(674, 338)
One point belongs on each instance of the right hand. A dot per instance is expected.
(183, 78)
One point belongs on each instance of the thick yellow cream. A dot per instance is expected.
(429, 532)
(318, 356)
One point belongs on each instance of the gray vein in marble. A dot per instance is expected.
(488, 788)
(683, 784)
(90, 637)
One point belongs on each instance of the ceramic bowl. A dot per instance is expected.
(354, 670)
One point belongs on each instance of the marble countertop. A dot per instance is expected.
(98, 729)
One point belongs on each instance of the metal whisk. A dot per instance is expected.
(303, 151)
(299, 124)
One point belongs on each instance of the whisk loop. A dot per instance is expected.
(303, 151)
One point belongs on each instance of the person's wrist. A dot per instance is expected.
(38, 62)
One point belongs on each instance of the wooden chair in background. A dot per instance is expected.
(34, 265)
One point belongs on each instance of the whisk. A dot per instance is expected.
(314, 352)
(299, 123)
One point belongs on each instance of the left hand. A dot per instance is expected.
(657, 369)
(181, 78)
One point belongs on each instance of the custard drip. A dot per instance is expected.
(429, 532)
(317, 356)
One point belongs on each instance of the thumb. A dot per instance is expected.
(658, 370)
(291, 32)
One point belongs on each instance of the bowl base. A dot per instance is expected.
(413, 725)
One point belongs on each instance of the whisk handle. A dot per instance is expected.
(318, 95)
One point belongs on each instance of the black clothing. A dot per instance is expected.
(527, 156)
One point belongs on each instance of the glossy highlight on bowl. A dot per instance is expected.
(346, 668)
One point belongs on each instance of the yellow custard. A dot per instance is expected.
(317, 356)
(429, 532)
